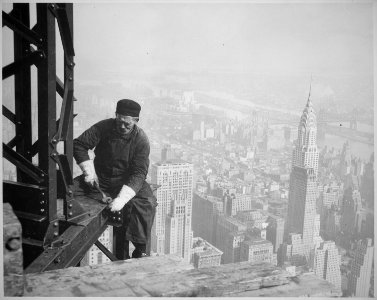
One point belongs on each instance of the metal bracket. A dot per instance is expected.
(25, 165)
(31, 59)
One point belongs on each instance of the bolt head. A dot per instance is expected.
(13, 244)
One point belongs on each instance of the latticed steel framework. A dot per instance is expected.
(49, 241)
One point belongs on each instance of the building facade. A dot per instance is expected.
(203, 254)
(361, 269)
(327, 264)
(171, 231)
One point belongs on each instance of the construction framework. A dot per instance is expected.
(57, 227)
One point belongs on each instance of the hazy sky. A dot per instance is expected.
(286, 38)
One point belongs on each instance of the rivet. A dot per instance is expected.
(41, 55)
(70, 193)
(119, 212)
(70, 214)
(54, 141)
(42, 175)
(71, 64)
(52, 6)
(56, 234)
(42, 202)
(70, 78)
(70, 205)
(118, 219)
(13, 244)
(42, 210)
(42, 192)
(56, 224)
(41, 40)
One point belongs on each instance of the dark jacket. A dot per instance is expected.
(118, 159)
(121, 160)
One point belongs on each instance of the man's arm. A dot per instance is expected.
(87, 140)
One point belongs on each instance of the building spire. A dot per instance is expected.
(309, 103)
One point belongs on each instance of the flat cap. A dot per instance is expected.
(128, 107)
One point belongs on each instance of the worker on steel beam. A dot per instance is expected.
(120, 168)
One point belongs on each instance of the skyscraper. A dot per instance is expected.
(327, 264)
(171, 232)
(305, 154)
(301, 218)
(361, 268)
(275, 231)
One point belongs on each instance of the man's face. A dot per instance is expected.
(125, 124)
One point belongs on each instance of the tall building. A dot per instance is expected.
(229, 234)
(305, 154)
(205, 212)
(361, 269)
(171, 231)
(327, 264)
(275, 231)
(301, 218)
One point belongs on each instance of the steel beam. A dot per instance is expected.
(47, 104)
(20, 27)
(25, 165)
(105, 251)
(22, 87)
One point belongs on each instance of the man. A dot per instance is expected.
(120, 168)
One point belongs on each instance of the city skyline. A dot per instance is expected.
(261, 128)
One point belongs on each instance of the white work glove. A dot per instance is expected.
(125, 195)
(87, 167)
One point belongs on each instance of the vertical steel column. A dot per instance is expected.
(68, 72)
(22, 86)
(47, 104)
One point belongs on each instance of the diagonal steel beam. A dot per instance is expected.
(21, 29)
(105, 251)
(20, 162)
(16, 66)
(9, 115)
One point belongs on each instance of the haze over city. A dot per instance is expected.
(262, 112)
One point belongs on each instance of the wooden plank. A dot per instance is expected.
(305, 285)
(119, 278)
(154, 276)
(12, 251)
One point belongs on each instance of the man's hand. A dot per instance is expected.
(87, 167)
(125, 195)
